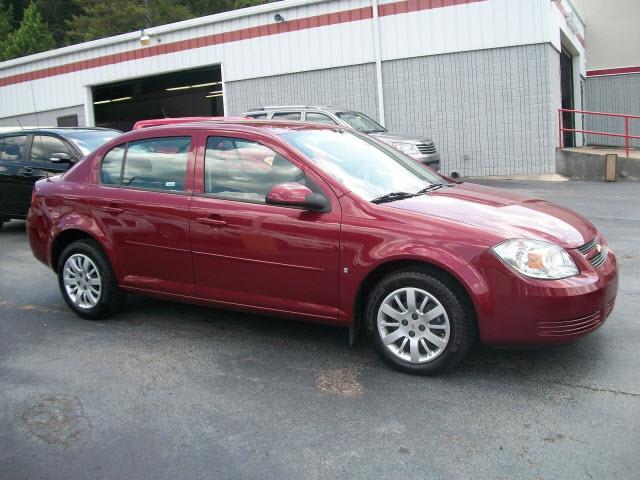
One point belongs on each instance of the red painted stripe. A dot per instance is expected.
(613, 71)
(344, 16)
(580, 38)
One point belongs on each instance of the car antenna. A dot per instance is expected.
(20, 123)
(164, 112)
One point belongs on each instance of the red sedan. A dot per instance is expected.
(323, 224)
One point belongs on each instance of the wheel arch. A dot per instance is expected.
(65, 238)
(459, 285)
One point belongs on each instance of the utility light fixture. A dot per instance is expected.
(121, 99)
(185, 87)
(145, 40)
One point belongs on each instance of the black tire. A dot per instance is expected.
(462, 321)
(111, 297)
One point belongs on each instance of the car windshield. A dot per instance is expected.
(361, 122)
(87, 141)
(363, 166)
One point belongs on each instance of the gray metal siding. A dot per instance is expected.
(44, 119)
(490, 112)
(352, 87)
(612, 94)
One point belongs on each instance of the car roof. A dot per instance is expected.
(267, 126)
(57, 130)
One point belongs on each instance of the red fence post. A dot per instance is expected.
(560, 142)
(626, 132)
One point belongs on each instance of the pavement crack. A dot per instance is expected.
(597, 389)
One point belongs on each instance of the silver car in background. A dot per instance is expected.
(420, 148)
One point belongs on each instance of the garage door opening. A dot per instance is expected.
(187, 93)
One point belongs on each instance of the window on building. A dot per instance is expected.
(67, 121)
(245, 170)
(43, 146)
(12, 148)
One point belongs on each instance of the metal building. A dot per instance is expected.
(482, 78)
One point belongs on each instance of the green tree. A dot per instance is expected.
(98, 18)
(32, 36)
(6, 17)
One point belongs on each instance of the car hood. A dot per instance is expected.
(400, 137)
(504, 213)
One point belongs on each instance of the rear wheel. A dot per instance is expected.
(419, 322)
(87, 282)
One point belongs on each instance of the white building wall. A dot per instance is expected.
(468, 25)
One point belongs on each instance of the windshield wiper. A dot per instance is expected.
(390, 197)
(430, 188)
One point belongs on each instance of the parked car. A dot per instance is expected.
(323, 224)
(418, 147)
(28, 155)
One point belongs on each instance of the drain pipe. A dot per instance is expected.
(378, 56)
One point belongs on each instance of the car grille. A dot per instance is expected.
(570, 327)
(426, 148)
(594, 252)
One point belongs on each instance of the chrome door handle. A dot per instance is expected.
(212, 222)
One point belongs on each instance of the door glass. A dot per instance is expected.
(245, 170)
(314, 117)
(12, 148)
(43, 146)
(287, 116)
(258, 116)
(157, 163)
(112, 166)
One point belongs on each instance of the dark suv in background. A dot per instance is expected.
(418, 147)
(29, 155)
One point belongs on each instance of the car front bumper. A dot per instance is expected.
(523, 311)
(431, 160)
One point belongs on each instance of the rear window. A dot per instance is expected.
(12, 148)
(257, 116)
(149, 164)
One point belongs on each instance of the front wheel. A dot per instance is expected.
(87, 282)
(419, 323)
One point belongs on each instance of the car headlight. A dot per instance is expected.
(406, 148)
(537, 259)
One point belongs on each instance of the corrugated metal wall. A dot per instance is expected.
(612, 94)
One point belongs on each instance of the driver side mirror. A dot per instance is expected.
(60, 158)
(294, 194)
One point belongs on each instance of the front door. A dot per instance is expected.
(247, 253)
(141, 201)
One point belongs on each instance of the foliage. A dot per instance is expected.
(73, 21)
(32, 36)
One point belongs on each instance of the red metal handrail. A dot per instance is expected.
(625, 135)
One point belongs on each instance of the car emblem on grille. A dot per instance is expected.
(599, 248)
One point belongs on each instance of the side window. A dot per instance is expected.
(12, 148)
(245, 170)
(257, 116)
(287, 116)
(43, 146)
(315, 117)
(112, 166)
(157, 163)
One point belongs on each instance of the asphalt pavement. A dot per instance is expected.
(166, 390)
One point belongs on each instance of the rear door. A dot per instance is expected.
(141, 202)
(16, 180)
